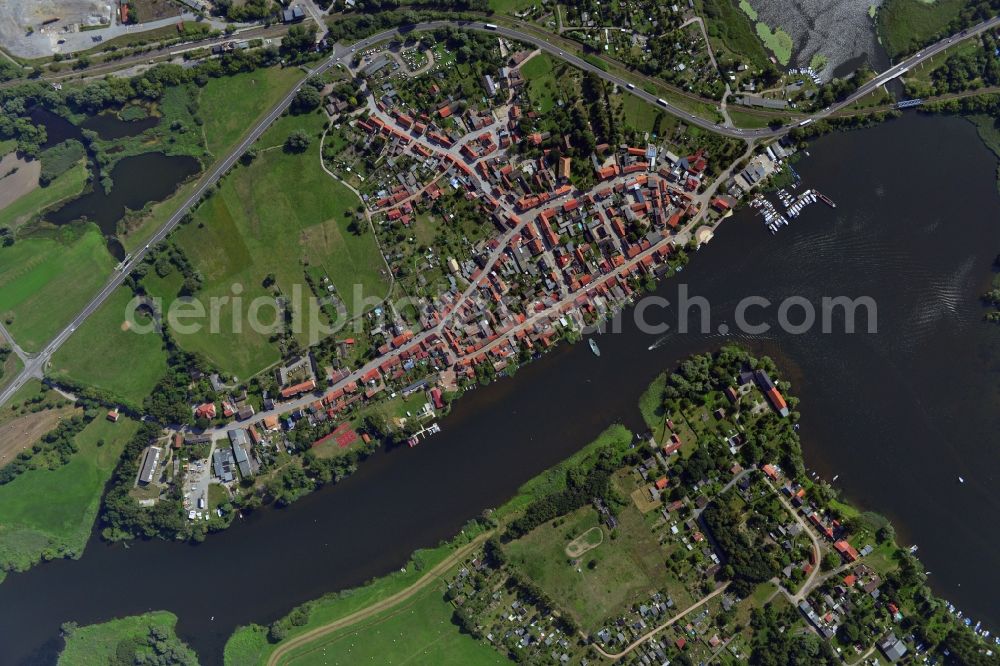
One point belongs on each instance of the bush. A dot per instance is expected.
(297, 142)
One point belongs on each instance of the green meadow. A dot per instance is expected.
(906, 25)
(231, 104)
(105, 352)
(47, 513)
(249, 644)
(419, 631)
(539, 74)
(283, 216)
(45, 281)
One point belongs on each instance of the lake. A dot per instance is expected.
(839, 30)
(109, 126)
(898, 414)
(138, 180)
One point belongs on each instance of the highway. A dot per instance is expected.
(34, 366)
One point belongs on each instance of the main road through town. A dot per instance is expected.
(34, 365)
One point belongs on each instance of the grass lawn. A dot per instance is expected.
(906, 25)
(232, 104)
(281, 215)
(643, 117)
(510, 6)
(44, 282)
(105, 354)
(65, 186)
(538, 72)
(32, 530)
(249, 645)
(10, 368)
(97, 644)
(750, 120)
(419, 631)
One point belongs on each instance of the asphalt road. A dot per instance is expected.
(690, 118)
(35, 365)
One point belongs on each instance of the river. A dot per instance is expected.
(898, 414)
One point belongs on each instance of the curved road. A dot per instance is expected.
(35, 366)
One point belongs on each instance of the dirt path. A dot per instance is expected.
(369, 611)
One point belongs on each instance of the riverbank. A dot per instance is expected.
(437, 581)
(920, 267)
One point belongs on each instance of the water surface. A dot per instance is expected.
(109, 126)
(137, 180)
(899, 414)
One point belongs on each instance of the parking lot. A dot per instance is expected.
(198, 476)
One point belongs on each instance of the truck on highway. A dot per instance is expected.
(490, 26)
(805, 122)
(661, 101)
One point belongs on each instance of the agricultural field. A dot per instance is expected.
(60, 526)
(45, 281)
(127, 637)
(73, 264)
(906, 25)
(105, 353)
(20, 430)
(282, 215)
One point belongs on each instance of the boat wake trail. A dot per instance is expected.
(659, 342)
